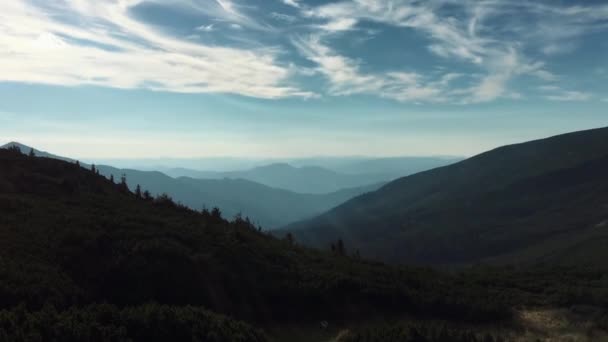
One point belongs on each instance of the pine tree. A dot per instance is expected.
(138, 191)
(32, 153)
(123, 183)
(289, 238)
(147, 195)
(112, 179)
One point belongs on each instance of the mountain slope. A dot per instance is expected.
(495, 204)
(269, 207)
(264, 205)
(306, 179)
(26, 150)
(70, 239)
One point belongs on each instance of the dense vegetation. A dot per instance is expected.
(544, 201)
(72, 240)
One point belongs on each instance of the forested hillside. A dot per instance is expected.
(541, 201)
(70, 240)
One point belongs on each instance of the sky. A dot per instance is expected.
(296, 78)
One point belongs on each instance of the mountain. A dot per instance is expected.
(396, 167)
(71, 239)
(540, 201)
(305, 179)
(269, 207)
(26, 150)
(232, 196)
(84, 259)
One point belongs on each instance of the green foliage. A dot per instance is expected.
(107, 323)
(70, 239)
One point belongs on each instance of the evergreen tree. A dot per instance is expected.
(15, 149)
(112, 179)
(289, 238)
(147, 196)
(138, 191)
(216, 214)
(32, 153)
(123, 183)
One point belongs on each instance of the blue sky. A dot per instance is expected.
(292, 78)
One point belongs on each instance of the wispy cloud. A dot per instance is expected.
(110, 48)
(283, 17)
(205, 28)
(555, 93)
(293, 3)
(470, 37)
(346, 78)
(245, 48)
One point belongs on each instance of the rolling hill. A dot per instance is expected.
(540, 201)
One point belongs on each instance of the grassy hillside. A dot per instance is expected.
(537, 201)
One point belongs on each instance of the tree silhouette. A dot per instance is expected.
(14, 149)
(216, 214)
(289, 238)
(138, 191)
(147, 196)
(123, 183)
(32, 153)
(93, 168)
(112, 178)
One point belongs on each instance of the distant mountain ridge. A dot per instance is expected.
(305, 179)
(267, 206)
(535, 201)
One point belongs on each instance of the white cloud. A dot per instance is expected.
(205, 28)
(293, 3)
(121, 52)
(346, 78)
(283, 17)
(341, 24)
(555, 93)
(469, 37)
(569, 96)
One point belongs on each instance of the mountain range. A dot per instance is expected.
(85, 259)
(540, 201)
(305, 179)
(264, 205)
